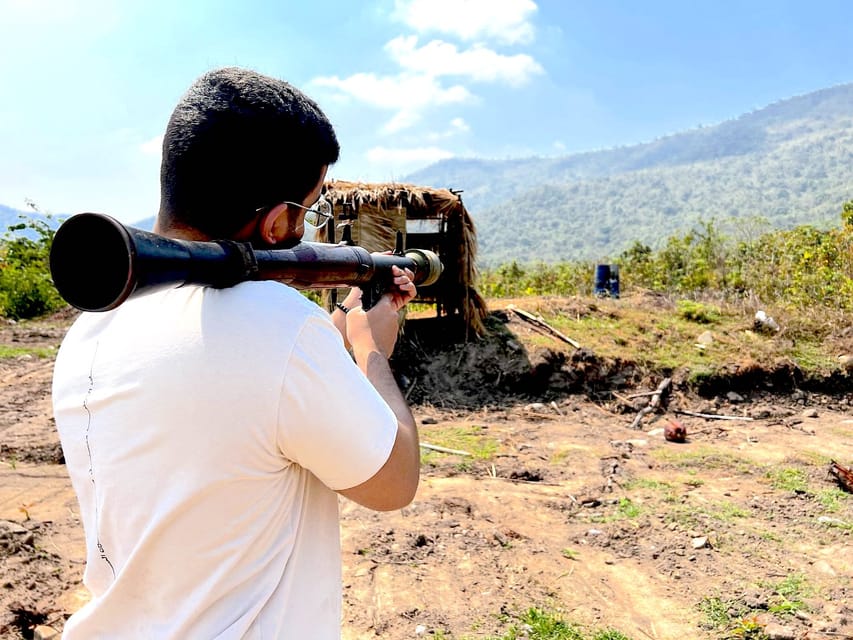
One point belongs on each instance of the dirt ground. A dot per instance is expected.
(552, 501)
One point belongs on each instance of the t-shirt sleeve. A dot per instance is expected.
(331, 420)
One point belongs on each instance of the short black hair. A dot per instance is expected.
(238, 141)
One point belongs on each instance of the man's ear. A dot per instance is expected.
(272, 223)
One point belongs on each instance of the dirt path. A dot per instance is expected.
(561, 507)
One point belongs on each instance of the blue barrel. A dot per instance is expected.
(601, 287)
(614, 281)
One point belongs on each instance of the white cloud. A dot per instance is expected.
(408, 94)
(457, 127)
(458, 124)
(506, 21)
(422, 82)
(393, 92)
(438, 58)
(388, 162)
(153, 146)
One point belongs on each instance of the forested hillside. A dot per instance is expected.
(780, 166)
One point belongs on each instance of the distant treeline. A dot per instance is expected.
(800, 268)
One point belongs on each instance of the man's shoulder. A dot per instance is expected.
(263, 305)
(268, 294)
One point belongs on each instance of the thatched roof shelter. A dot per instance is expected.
(433, 219)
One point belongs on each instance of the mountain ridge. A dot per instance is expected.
(785, 163)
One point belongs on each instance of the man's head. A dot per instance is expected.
(239, 143)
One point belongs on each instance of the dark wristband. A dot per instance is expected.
(342, 307)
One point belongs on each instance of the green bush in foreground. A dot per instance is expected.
(26, 288)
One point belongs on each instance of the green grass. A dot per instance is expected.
(472, 439)
(790, 594)
(731, 619)
(664, 336)
(690, 516)
(727, 511)
(770, 536)
(536, 624)
(648, 483)
(705, 458)
(625, 510)
(789, 479)
(665, 489)
(832, 499)
(809, 354)
(660, 338)
(14, 352)
(694, 311)
(716, 612)
(795, 480)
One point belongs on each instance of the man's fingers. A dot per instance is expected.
(404, 287)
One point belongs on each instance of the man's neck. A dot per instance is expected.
(171, 229)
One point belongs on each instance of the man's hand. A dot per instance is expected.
(404, 289)
(377, 328)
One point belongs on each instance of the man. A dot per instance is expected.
(208, 432)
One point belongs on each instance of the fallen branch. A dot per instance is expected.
(435, 447)
(539, 322)
(625, 399)
(712, 416)
(654, 403)
(640, 415)
(640, 395)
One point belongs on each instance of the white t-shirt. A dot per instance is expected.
(204, 431)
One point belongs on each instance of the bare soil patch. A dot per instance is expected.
(560, 506)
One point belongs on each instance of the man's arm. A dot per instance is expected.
(395, 484)
(339, 318)
(373, 335)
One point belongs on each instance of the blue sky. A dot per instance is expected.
(86, 87)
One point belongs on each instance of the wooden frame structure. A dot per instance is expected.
(427, 218)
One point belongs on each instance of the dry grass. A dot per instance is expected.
(663, 333)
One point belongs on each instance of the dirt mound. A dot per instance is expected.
(438, 364)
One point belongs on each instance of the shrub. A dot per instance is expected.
(512, 280)
(26, 288)
(697, 312)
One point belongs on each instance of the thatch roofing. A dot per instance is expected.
(383, 208)
(390, 193)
